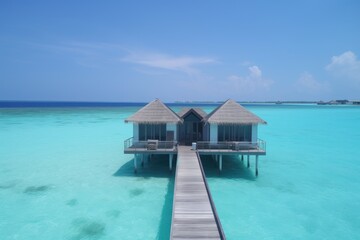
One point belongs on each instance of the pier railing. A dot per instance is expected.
(217, 219)
(149, 145)
(232, 145)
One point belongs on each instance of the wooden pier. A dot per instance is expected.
(194, 215)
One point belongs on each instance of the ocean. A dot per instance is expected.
(63, 175)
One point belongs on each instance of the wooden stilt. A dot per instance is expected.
(256, 166)
(170, 161)
(242, 157)
(248, 162)
(142, 160)
(135, 163)
(220, 162)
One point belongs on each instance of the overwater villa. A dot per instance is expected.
(230, 129)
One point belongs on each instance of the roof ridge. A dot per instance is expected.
(243, 116)
(213, 111)
(167, 107)
(144, 115)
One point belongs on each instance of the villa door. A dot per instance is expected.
(192, 128)
(193, 132)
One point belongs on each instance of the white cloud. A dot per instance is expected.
(345, 65)
(255, 72)
(185, 64)
(87, 52)
(307, 83)
(254, 81)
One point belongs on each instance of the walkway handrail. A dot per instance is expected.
(217, 219)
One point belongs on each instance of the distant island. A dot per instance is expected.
(27, 104)
(339, 102)
(331, 102)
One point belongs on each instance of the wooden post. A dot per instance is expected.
(170, 161)
(256, 163)
(142, 160)
(248, 161)
(220, 162)
(242, 157)
(135, 164)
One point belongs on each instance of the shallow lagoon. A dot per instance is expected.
(63, 175)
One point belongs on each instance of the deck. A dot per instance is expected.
(232, 148)
(203, 147)
(142, 147)
(194, 215)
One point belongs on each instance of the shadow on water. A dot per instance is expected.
(34, 190)
(156, 167)
(232, 167)
(87, 229)
(8, 184)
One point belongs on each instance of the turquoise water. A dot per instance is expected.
(308, 187)
(63, 175)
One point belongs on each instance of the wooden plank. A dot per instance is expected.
(193, 216)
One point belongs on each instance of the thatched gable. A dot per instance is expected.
(231, 112)
(197, 111)
(154, 112)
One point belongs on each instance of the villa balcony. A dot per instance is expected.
(150, 146)
(232, 147)
(203, 147)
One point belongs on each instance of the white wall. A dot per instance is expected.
(254, 133)
(136, 132)
(213, 132)
(172, 127)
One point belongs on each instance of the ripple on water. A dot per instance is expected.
(33, 190)
(136, 192)
(8, 185)
(114, 213)
(88, 229)
(72, 202)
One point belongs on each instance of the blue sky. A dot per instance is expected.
(183, 50)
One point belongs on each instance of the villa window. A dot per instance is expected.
(238, 133)
(152, 131)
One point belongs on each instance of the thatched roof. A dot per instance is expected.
(231, 112)
(154, 112)
(197, 111)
